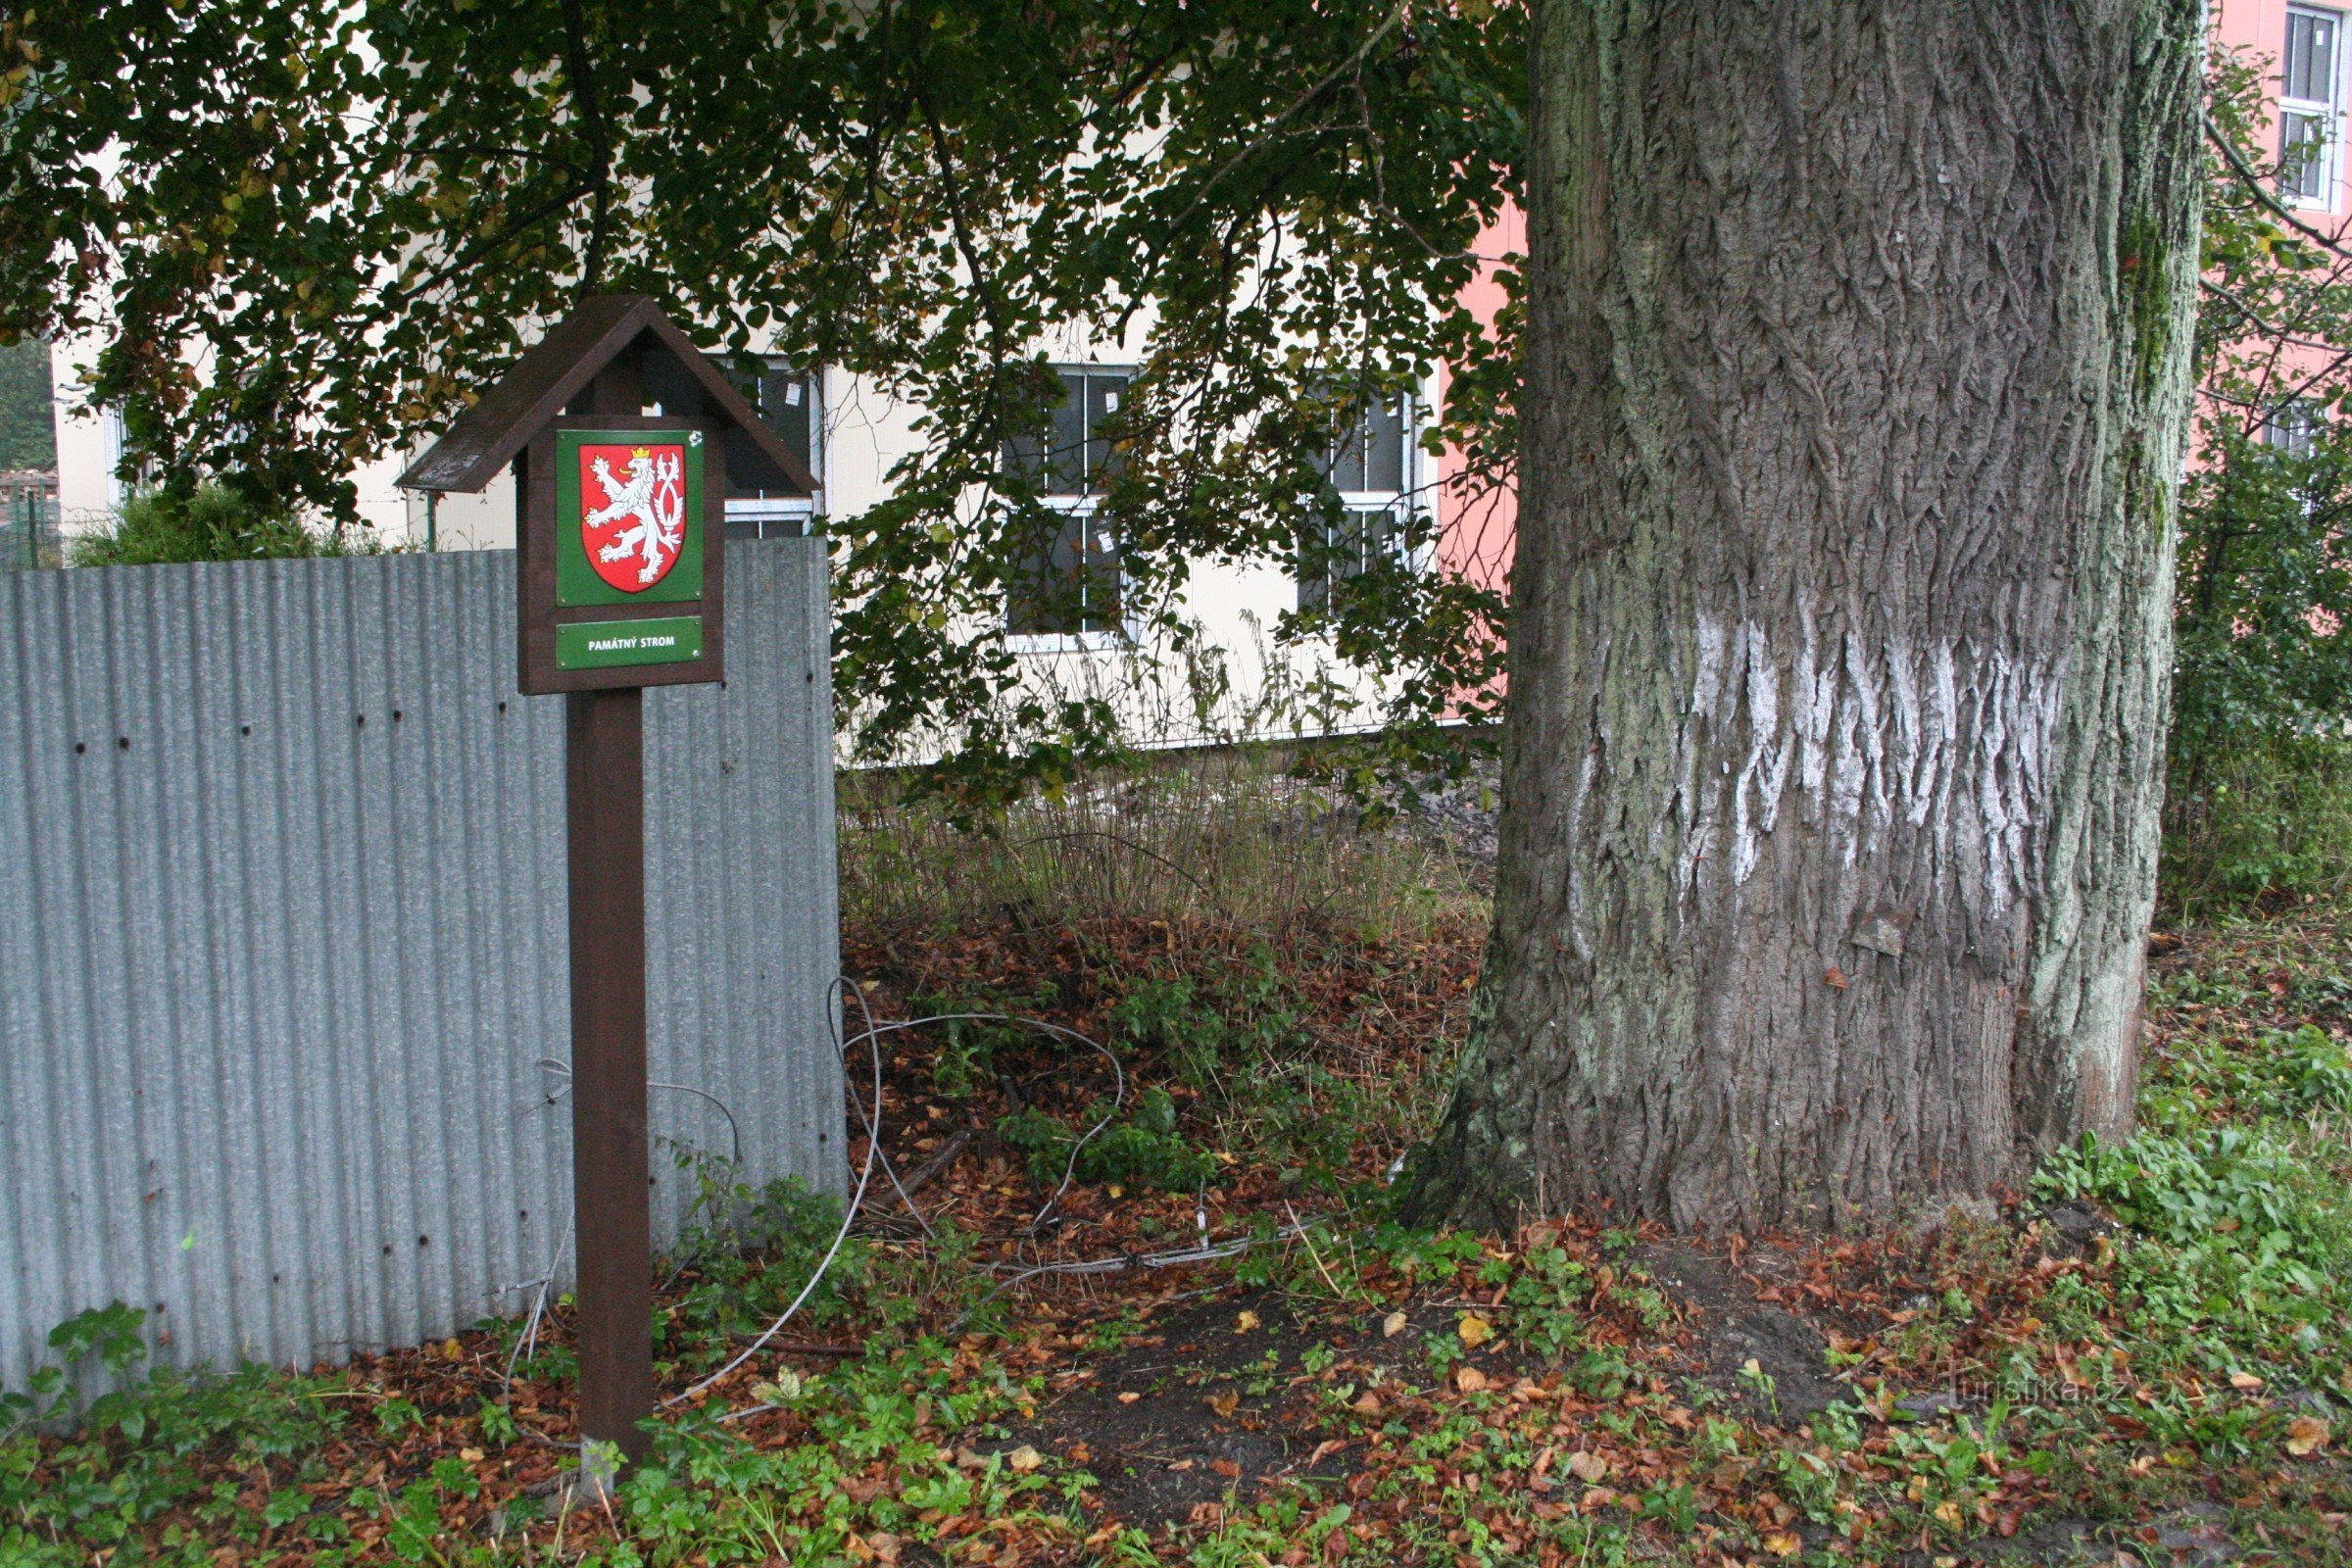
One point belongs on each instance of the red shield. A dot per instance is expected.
(633, 512)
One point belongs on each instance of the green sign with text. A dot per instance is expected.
(605, 644)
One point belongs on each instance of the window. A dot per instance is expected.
(1372, 469)
(758, 503)
(2292, 428)
(1066, 584)
(2308, 104)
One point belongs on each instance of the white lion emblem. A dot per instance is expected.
(653, 495)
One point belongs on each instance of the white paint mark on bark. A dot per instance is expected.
(1878, 740)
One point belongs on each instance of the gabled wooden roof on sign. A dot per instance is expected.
(557, 368)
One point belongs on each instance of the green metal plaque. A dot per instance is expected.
(608, 644)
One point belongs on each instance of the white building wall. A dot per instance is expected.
(89, 443)
(1163, 695)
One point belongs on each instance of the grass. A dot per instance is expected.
(1252, 839)
(2146, 1352)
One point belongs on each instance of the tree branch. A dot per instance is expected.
(580, 70)
(442, 273)
(2262, 192)
(2255, 320)
(1266, 134)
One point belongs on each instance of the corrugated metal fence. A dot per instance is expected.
(282, 942)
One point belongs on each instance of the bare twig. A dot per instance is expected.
(932, 1167)
(1101, 833)
(2259, 322)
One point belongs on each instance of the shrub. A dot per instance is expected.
(2269, 815)
(214, 524)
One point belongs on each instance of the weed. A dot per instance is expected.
(2266, 818)
(151, 1446)
(1141, 1149)
(745, 1252)
(1544, 1296)
(1228, 836)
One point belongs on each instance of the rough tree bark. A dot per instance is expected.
(1857, 397)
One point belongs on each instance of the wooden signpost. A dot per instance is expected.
(620, 501)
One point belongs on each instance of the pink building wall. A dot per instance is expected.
(2259, 31)
(1476, 526)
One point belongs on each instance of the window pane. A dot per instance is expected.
(1384, 446)
(1347, 460)
(1105, 402)
(1066, 434)
(2308, 69)
(785, 400)
(1098, 578)
(2303, 156)
(2292, 429)
(662, 380)
(788, 404)
(1068, 583)
(1372, 535)
(1362, 538)
(1025, 454)
(1044, 595)
(1314, 581)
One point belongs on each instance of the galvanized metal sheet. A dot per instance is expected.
(284, 999)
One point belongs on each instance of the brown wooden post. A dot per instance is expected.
(602, 611)
(612, 1172)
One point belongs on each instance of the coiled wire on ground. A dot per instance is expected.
(870, 1116)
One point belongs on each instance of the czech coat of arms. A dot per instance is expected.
(632, 512)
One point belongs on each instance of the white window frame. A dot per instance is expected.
(1085, 506)
(797, 514)
(2325, 170)
(113, 437)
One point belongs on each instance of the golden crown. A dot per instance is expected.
(641, 452)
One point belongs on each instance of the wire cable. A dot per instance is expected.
(849, 1216)
(734, 1129)
(872, 1035)
(1118, 1094)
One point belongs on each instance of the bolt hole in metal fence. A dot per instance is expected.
(276, 986)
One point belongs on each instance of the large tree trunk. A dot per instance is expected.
(1857, 397)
